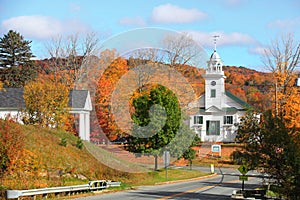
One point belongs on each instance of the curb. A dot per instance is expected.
(187, 180)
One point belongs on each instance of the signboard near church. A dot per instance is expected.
(216, 150)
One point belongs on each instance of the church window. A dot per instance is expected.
(213, 93)
(228, 119)
(198, 119)
(212, 127)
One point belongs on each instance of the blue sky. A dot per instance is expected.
(245, 27)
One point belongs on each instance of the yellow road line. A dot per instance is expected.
(197, 189)
(188, 191)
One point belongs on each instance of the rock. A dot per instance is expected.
(55, 173)
(67, 175)
(80, 176)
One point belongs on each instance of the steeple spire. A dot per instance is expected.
(215, 63)
(215, 41)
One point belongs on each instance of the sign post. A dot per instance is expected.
(243, 169)
(167, 162)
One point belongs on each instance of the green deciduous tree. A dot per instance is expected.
(269, 144)
(16, 65)
(156, 129)
(46, 104)
(185, 138)
(189, 155)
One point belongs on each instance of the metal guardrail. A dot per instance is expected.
(91, 186)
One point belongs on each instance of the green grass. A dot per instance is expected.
(113, 161)
(172, 175)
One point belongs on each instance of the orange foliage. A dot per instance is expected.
(287, 99)
(250, 85)
(12, 144)
(106, 86)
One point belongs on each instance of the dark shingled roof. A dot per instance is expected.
(13, 98)
(77, 98)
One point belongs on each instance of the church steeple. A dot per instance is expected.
(215, 63)
(214, 80)
(215, 41)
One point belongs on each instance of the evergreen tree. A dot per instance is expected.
(269, 144)
(16, 66)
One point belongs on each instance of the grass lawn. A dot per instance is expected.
(173, 175)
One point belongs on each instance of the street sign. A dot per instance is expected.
(243, 178)
(167, 158)
(243, 169)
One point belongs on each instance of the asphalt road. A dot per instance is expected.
(215, 188)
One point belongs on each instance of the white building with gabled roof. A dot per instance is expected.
(12, 102)
(217, 112)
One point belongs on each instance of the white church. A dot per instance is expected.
(218, 112)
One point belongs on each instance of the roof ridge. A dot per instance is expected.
(237, 99)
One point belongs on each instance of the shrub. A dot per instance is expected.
(63, 142)
(11, 144)
(79, 144)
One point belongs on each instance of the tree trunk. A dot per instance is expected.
(155, 163)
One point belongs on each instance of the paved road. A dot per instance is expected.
(215, 188)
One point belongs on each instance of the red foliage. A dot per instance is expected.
(11, 144)
(106, 86)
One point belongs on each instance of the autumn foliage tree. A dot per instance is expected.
(46, 104)
(281, 59)
(273, 142)
(11, 145)
(106, 86)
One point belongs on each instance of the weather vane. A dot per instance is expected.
(215, 41)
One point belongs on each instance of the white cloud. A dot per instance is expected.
(235, 38)
(132, 21)
(285, 24)
(42, 27)
(260, 50)
(169, 13)
(75, 7)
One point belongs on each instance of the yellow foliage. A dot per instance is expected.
(287, 99)
(46, 103)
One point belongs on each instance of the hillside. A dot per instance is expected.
(47, 163)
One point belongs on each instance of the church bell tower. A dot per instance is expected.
(214, 81)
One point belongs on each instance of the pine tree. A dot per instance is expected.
(14, 50)
(16, 65)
